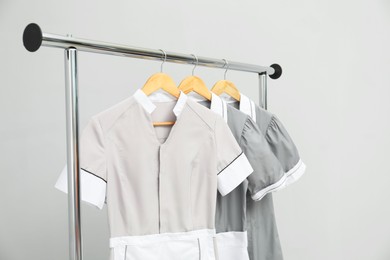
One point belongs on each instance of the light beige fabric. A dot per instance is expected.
(155, 186)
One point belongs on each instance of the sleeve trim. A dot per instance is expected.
(234, 174)
(288, 178)
(94, 174)
(229, 163)
(92, 188)
(273, 187)
(295, 173)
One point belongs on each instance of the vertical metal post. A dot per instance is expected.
(72, 137)
(263, 99)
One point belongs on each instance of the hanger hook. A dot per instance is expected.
(196, 64)
(164, 60)
(227, 68)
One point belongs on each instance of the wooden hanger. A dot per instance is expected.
(195, 84)
(161, 81)
(165, 82)
(226, 86)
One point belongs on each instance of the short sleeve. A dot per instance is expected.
(268, 175)
(285, 150)
(93, 174)
(232, 165)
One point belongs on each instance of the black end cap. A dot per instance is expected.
(32, 37)
(278, 71)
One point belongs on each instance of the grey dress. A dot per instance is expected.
(263, 238)
(232, 210)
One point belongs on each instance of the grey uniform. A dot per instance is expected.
(263, 238)
(231, 209)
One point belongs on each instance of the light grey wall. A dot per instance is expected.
(333, 98)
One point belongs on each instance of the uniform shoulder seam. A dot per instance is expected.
(200, 117)
(128, 107)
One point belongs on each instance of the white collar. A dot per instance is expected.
(160, 96)
(246, 105)
(217, 105)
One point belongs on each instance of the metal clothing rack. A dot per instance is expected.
(34, 38)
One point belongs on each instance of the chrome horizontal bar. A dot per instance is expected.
(33, 38)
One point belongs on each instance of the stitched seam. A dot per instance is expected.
(193, 110)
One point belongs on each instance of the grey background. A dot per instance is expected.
(333, 98)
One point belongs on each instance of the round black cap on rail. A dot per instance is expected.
(278, 71)
(32, 37)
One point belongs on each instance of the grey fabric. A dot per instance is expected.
(280, 141)
(263, 237)
(231, 209)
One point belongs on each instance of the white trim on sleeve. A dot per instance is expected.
(288, 178)
(234, 174)
(295, 173)
(93, 188)
(273, 187)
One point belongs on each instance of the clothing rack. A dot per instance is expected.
(34, 38)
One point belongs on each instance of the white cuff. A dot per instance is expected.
(295, 173)
(288, 178)
(234, 174)
(92, 188)
(273, 187)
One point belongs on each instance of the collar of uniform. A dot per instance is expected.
(160, 96)
(195, 97)
(180, 104)
(228, 99)
(218, 106)
(248, 107)
(245, 105)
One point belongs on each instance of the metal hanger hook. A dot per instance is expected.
(227, 68)
(164, 60)
(196, 64)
